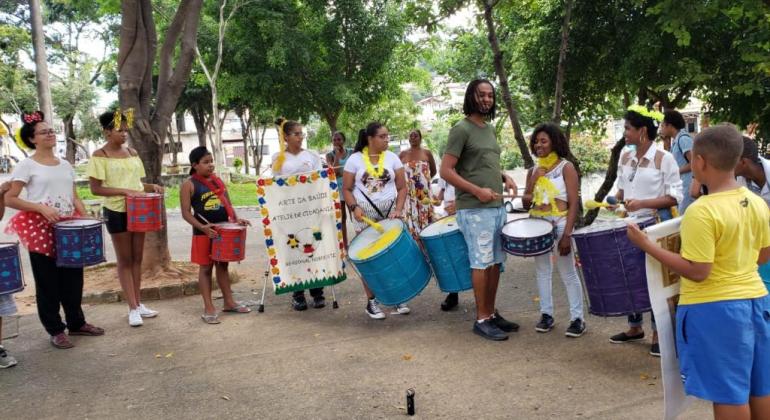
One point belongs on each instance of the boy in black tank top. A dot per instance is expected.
(206, 195)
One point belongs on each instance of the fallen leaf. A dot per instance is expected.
(225, 397)
(157, 356)
(644, 376)
(407, 357)
(536, 299)
(169, 355)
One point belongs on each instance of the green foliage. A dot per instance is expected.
(238, 164)
(592, 154)
(17, 85)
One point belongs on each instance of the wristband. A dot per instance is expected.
(353, 207)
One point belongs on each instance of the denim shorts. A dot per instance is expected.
(482, 230)
(732, 335)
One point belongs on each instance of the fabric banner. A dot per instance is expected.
(303, 230)
(663, 285)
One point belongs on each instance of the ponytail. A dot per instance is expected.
(365, 133)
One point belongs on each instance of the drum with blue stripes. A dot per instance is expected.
(448, 255)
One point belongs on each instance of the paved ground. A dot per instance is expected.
(332, 363)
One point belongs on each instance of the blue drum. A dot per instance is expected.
(79, 243)
(764, 272)
(390, 263)
(11, 279)
(448, 255)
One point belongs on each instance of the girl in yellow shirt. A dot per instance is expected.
(115, 172)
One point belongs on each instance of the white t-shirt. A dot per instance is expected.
(49, 185)
(382, 189)
(304, 161)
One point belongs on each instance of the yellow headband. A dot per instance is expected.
(278, 164)
(117, 120)
(655, 115)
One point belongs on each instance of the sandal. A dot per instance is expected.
(238, 309)
(89, 330)
(210, 318)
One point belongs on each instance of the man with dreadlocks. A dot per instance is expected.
(472, 165)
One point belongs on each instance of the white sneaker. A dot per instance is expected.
(401, 309)
(135, 318)
(373, 310)
(146, 312)
(6, 360)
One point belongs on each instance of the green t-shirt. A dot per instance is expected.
(478, 161)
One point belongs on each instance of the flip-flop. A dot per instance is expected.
(210, 318)
(238, 309)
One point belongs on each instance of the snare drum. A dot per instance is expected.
(614, 269)
(144, 212)
(528, 237)
(230, 244)
(79, 243)
(11, 278)
(390, 263)
(448, 255)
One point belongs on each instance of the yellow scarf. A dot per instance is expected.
(545, 191)
(278, 164)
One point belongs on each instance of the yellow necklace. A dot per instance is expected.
(370, 169)
(548, 161)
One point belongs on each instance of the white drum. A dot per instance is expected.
(528, 237)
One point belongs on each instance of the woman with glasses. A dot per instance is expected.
(649, 182)
(50, 196)
(292, 160)
(374, 186)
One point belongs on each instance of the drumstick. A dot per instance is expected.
(204, 219)
(378, 227)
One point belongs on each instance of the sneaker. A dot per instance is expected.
(576, 328)
(319, 302)
(450, 302)
(146, 312)
(655, 350)
(299, 303)
(545, 324)
(6, 360)
(61, 341)
(504, 324)
(373, 309)
(401, 309)
(625, 338)
(489, 330)
(135, 318)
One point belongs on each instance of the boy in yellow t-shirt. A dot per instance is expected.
(723, 318)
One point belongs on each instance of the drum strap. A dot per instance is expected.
(377, 209)
(218, 188)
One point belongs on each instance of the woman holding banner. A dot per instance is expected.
(374, 185)
(292, 160)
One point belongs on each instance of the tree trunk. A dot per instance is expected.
(245, 134)
(561, 67)
(199, 118)
(258, 151)
(502, 75)
(331, 119)
(41, 61)
(69, 137)
(609, 180)
(136, 59)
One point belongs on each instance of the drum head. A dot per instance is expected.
(516, 216)
(369, 236)
(440, 227)
(229, 226)
(527, 228)
(78, 223)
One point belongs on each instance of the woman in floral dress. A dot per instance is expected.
(419, 167)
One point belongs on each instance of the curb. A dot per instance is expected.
(168, 291)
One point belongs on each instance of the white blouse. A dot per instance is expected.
(640, 180)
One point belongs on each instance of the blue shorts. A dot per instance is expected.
(724, 349)
(481, 229)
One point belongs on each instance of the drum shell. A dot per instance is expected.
(79, 246)
(230, 243)
(396, 274)
(528, 246)
(144, 212)
(11, 276)
(614, 271)
(448, 256)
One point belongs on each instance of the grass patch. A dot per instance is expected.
(240, 195)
